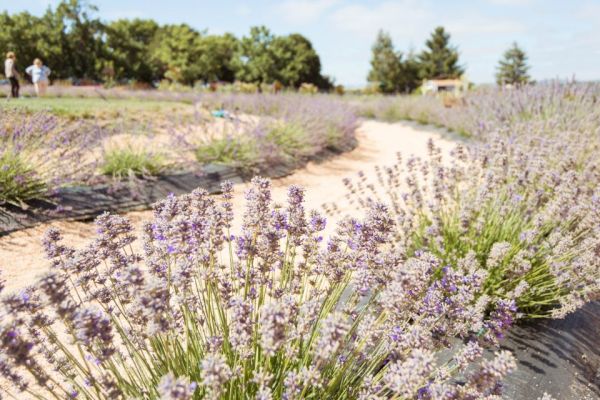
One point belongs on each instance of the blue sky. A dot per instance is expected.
(561, 37)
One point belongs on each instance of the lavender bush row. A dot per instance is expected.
(296, 128)
(40, 153)
(91, 92)
(272, 312)
(551, 106)
(534, 230)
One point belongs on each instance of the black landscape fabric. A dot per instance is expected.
(560, 357)
(85, 203)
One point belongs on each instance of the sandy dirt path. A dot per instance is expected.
(22, 256)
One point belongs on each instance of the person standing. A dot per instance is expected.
(39, 75)
(10, 70)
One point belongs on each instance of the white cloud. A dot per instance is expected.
(305, 11)
(407, 17)
(410, 21)
(243, 10)
(484, 25)
(123, 14)
(511, 2)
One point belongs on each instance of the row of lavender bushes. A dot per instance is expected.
(507, 228)
(554, 106)
(41, 152)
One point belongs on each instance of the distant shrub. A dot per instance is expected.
(19, 182)
(244, 87)
(239, 152)
(291, 139)
(173, 86)
(124, 162)
(39, 153)
(308, 88)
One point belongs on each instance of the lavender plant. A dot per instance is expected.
(553, 106)
(292, 129)
(524, 198)
(272, 312)
(39, 154)
(126, 161)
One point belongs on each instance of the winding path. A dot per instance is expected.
(22, 256)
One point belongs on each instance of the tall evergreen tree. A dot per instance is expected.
(440, 59)
(513, 68)
(411, 69)
(386, 66)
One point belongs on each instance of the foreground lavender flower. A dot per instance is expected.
(171, 388)
(270, 312)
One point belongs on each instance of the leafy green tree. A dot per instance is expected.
(68, 39)
(129, 44)
(175, 50)
(296, 61)
(290, 60)
(21, 33)
(440, 59)
(217, 57)
(513, 68)
(76, 44)
(79, 33)
(386, 66)
(255, 62)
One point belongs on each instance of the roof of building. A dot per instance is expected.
(445, 82)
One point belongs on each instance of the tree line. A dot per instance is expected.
(78, 45)
(393, 72)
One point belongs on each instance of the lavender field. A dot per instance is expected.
(409, 295)
(86, 137)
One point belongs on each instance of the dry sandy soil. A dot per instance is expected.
(22, 256)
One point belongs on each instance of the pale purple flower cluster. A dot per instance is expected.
(171, 388)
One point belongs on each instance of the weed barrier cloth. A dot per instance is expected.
(558, 356)
(82, 203)
(85, 203)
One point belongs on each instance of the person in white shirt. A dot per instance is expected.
(39, 75)
(10, 70)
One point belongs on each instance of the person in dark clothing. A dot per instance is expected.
(10, 70)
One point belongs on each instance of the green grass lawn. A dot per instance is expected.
(74, 108)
